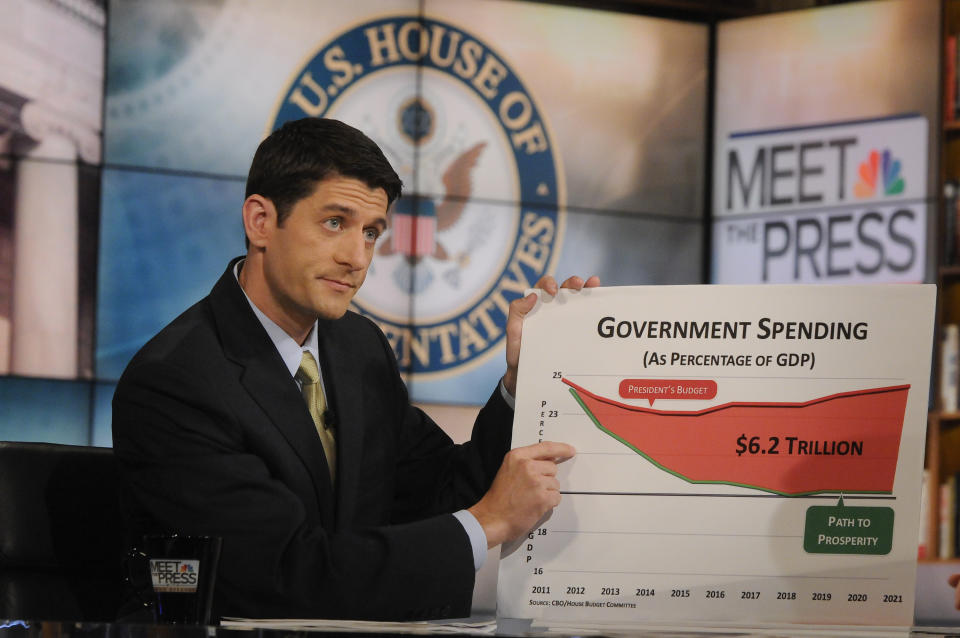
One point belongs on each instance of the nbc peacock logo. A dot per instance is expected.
(879, 171)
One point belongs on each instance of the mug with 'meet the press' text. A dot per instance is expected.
(183, 570)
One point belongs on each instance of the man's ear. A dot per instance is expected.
(259, 220)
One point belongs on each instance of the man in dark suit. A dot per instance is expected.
(334, 497)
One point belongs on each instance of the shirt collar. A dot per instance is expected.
(290, 351)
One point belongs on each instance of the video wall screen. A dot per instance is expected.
(51, 97)
(825, 145)
(532, 139)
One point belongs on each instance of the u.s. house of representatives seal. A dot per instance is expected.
(482, 215)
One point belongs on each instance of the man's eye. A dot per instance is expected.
(371, 234)
(333, 223)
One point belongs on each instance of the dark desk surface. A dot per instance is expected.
(57, 629)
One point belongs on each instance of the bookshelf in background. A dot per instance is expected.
(943, 470)
(943, 432)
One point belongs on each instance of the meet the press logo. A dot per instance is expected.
(171, 575)
(837, 202)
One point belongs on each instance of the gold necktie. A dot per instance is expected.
(309, 377)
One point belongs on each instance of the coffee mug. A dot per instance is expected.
(183, 570)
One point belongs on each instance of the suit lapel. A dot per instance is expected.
(342, 379)
(267, 380)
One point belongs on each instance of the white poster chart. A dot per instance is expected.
(746, 455)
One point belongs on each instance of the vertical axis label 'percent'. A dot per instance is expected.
(845, 442)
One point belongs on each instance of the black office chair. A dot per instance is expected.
(61, 549)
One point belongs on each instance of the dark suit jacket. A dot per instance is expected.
(213, 437)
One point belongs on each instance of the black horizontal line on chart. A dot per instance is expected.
(688, 455)
(674, 533)
(631, 454)
(823, 497)
(805, 576)
(657, 377)
(747, 421)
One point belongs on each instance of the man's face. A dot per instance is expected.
(316, 261)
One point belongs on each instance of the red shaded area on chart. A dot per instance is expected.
(842, 442)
